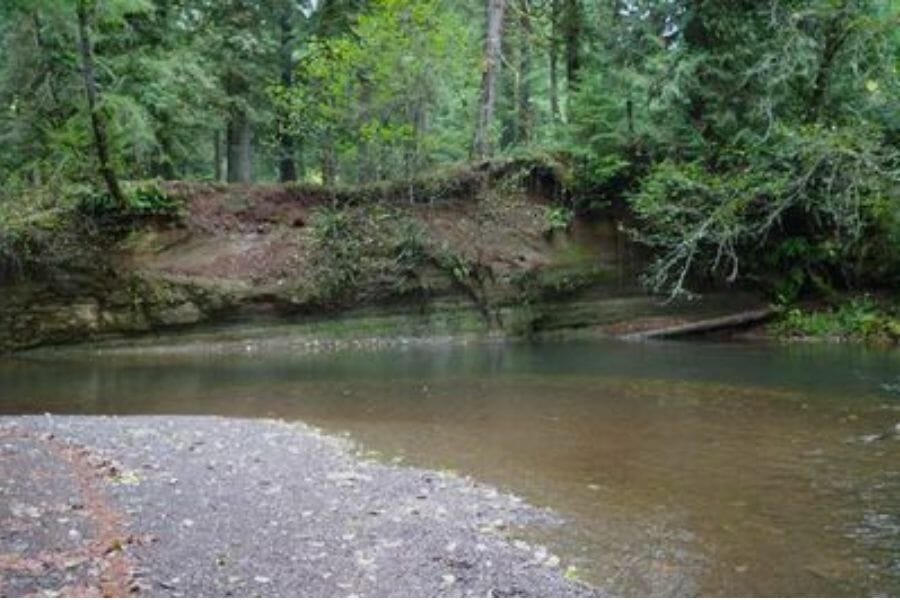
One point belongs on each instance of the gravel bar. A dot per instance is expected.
(209, 506)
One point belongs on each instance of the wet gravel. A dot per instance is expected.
(228, 507)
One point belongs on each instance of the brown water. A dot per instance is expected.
(683, 468)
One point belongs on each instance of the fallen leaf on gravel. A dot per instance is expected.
(126, 478)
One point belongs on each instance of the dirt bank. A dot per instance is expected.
(492, 240)
(201, 506)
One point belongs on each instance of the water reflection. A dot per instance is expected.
(684, 468)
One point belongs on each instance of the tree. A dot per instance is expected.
(524, 108)
(287, 164)
(85, 10)
(572, 17)
(482, 146)
(385, 96)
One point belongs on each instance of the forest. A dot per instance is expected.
(449, 298)
(754, 142)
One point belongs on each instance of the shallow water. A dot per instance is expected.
(684, 468)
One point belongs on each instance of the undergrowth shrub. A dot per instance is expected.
(353, 245)
(811, 211)
(860, 318)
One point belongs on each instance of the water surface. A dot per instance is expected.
(683, 468)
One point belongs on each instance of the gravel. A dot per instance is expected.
(208, 506)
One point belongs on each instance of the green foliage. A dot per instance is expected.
(144, 199)
(753, 144)
(812, 210)
(460, 268)
(386, 97)
(356, 245)
(859, 318)
(559, 218)
(40, 228)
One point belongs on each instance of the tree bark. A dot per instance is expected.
(742, 319)
(525, 113)
(835, 36)
(240, 148)
(365, 168)
(98, 119)
(572, 18)
(217, 155)
(287, 166)
(329, 161)
(554, 60)
(482, 146)
(163, 166)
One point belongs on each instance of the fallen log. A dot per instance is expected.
(742, 319)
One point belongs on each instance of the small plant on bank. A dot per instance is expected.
(856, 319)
(558, 219)
(40, 227)
(144, 199)
(356, 243)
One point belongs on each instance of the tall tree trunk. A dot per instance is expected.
(481, 147)
(217, 155)
(554, 60)
(525, 114)
(163, 166)
(98, 119)
(572, 24)
(329, 162)
(287, 166)
(836, 32)
(420, 128)
(509, 81)
(365, 167)
(44, 52)
(240, 148)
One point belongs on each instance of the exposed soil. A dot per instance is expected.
(202, 506)
(478, 237)
(260, 234)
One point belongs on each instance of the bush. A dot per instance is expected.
(859, 318)
(812, 210)
(558, 218)
(364, 241)
(144, 199)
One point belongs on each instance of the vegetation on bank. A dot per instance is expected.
(862, 318)
(48, 226)
(751, 144)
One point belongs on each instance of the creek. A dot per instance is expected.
(681, 468)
